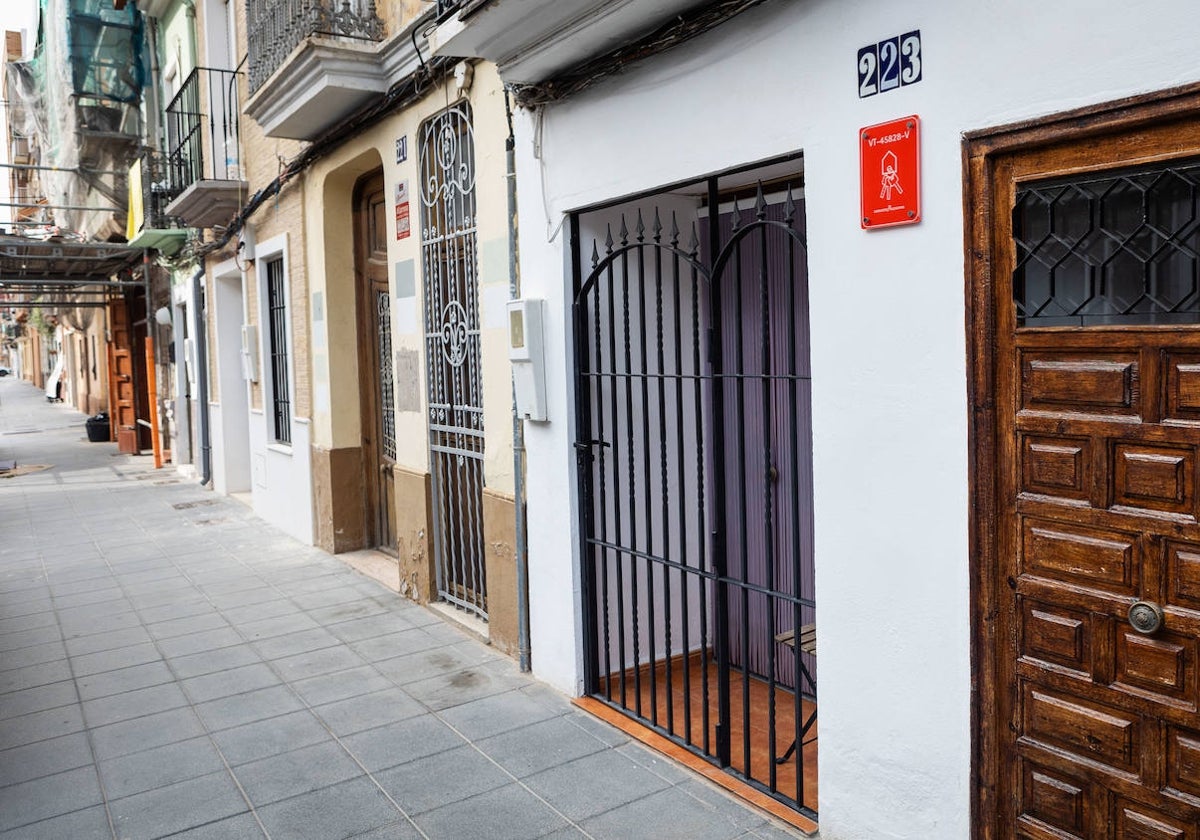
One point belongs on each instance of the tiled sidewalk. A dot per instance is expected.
(172, 666)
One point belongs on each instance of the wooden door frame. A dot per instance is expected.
(981, 152)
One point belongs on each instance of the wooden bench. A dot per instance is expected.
(808, 644)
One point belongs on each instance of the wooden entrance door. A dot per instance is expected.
(375, 362)
(122, 396)
(1087, 510)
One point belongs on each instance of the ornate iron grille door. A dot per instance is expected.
(448, 250)
(695, 458)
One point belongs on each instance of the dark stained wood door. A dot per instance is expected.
(1094, 272)
(375, 361)
(122, 396)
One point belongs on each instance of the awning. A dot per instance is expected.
(60, 271)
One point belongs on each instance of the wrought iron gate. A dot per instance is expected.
(448, 250)
(694, 453)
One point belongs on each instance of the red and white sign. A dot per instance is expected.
(889, 157)
(403, 222)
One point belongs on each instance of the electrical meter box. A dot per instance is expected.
(528, 357)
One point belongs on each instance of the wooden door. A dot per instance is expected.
(375, 362)
(121, 389)
(1090, 713)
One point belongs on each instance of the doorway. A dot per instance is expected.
(1085, 387)
(694, 452)
(375, 361)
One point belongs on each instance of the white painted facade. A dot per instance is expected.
(888, 340)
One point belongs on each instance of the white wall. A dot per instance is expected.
(888, 343)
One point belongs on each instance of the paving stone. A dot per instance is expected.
(298, 771)
(205, 640)
(397, 743)
(126, 679)
(669, 813)
(174, 808)
(317, 662)
(85, 824)
(51, 796)
(357, 629)
(37, 699)
(39, 726)
(29, 638)
(340, 685)
(30, 621)
(290, 644)
(399, 830)
(332, 813)
(114, 660)
(228, 712)
(80, 645)
(501, 713)
(241, 827)
(145, 733)
(154, 768)
(594, 784)
(211, 661)
(440, 779)
(25, 657)
(133, 704)
(540, 746)
(229, 682)
(272, 736)
(512, 813)
(368, 711)
(281, 625)
(209, 620)
(44, 758)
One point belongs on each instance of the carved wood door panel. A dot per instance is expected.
(121, 395)
(1095, 255)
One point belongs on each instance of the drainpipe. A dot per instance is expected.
(201, 315)
(514, 291)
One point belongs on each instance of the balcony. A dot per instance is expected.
(203, 159)
(151, 224)
(312, 63)
(531, 42)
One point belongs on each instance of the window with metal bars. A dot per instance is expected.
(1109, 249)
(277, 332)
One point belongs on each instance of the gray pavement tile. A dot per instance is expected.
(29, 621)
(30, 638)
(81, 645)
(17, 606)
(724, 804)
(567, 833)
(50, 796)
(773, 831)
(317, 662)
(240, 709)
(400, 830)
(669, 813)
(211, 661)
(597, 728)
(272, 736)
(241, 827)
(396, 644)
(368, 711)
(328, 597)
(540, 746)
(299, 771)
(282, 625)
(293, 643)
(229, 682)
(105, 596)
(199, 642)
(37, 699)
(127, 679)
(473, 683)
(666, 769)
(104, 620)
(101, 579)
(174, 808)
(209, 620)
(39, 726)
(26, 657)
(415, 667)
(245, 597)
(127, 705)
(332, 813)
(114, 660)
(359, 629)
(144, 733)
(44, 758)
(155, 768)
(507, 813)
(243, 616)
(340, 685)
(337, 613)
(594, 784)
(169, 612)
(404, 741)
(493, 715)
(440, 779)
(86, 824)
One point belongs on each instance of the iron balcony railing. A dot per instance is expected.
(202, 130)
(446, 8)
(277, 26)
(157, 192)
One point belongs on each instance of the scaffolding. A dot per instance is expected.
(78, 101)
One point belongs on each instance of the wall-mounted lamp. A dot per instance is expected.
(162, 316)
